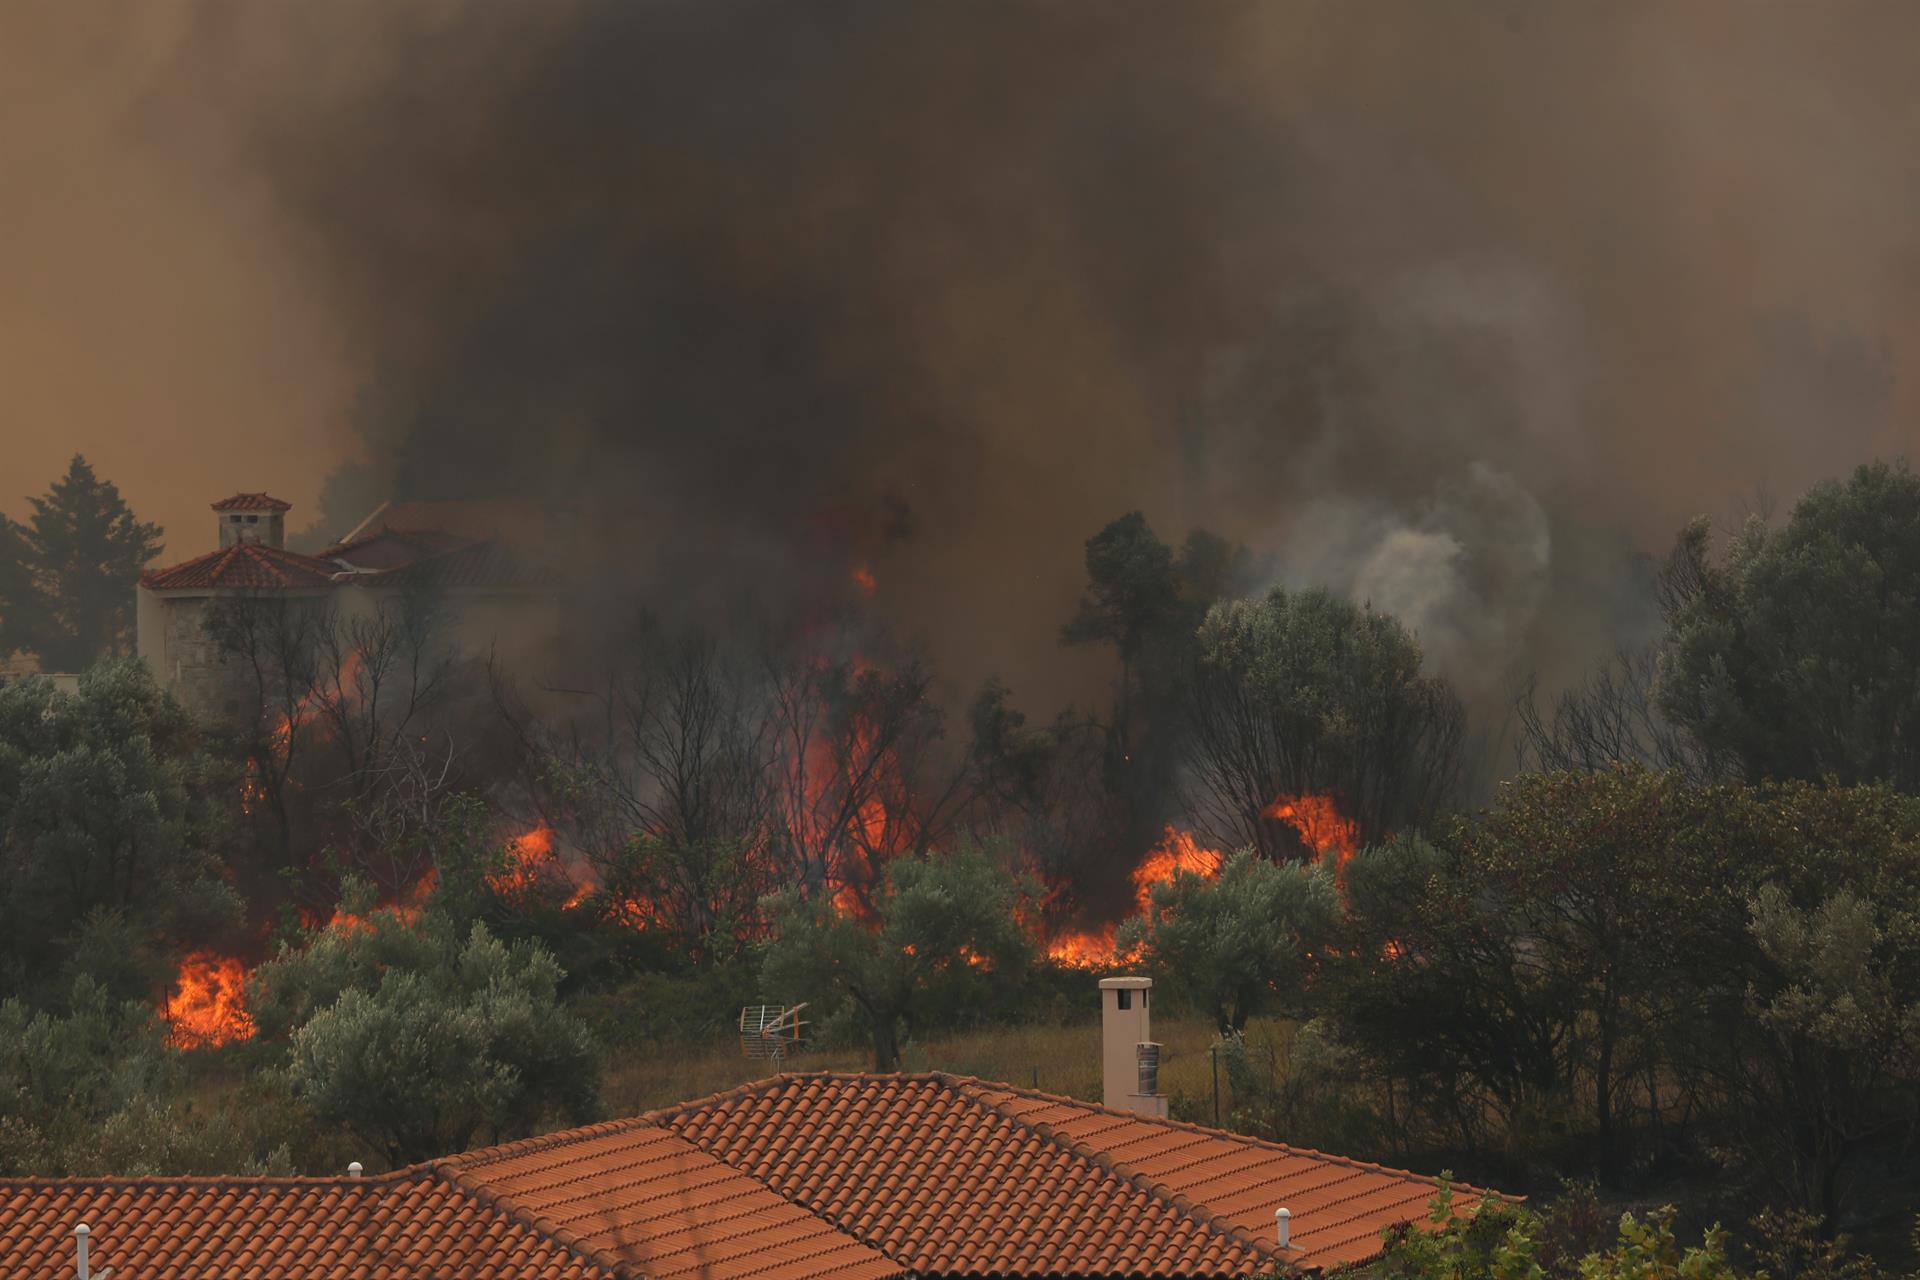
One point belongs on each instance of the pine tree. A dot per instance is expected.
(85, 551)
(22, 608)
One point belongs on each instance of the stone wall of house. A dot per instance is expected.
(193, 669)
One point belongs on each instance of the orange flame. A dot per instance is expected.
(1320, 824)
(208, 1006)
(1178, 851)
(252, 789)
(1084, 948)
(528, 854)
(863, 578)
(313, 699)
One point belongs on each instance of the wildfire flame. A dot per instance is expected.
(528, 854)
(1319, 823)
(1177, 851)
(208, 1007)
(863, 579)
(315, 699)
(1316, 817)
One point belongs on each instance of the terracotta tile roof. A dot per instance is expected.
(1339, 1206)
(840, 1176)
(661, 1207)
(242, 566)
(252, 502)
(405, 1226)
(928, 1171)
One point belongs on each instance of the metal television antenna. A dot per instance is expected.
(770, 1031)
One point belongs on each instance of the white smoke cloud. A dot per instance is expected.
(1467, 570)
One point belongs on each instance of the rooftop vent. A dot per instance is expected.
(82, 1270)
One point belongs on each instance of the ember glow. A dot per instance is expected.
(1316, 817)
(313, 700)
(1320, 824)
(863, 579)
(1177, 852)
(529, 854)
(207, 1007)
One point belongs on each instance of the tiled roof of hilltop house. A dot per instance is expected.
(401, 1226)
(243, 566)
(834, 1175)
(252, 502)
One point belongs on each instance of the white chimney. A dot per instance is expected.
(1129, 1060)
(353, 1169)
(82, 1269)
(1283, 1227)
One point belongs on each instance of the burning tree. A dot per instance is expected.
(856, 774)
(1302, 694)
(338, 698)
(664, 787)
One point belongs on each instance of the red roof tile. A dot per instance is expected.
(1339, 1206)
(243, 566)
(928, 1171)
(841, 1176)
(252, 502)
(662, 1207)
(404, 1226)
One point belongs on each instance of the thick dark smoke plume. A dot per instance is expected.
(1452, 306)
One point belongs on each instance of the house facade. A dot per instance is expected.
(483, 560)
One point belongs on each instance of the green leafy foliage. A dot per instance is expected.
(1241, 941)
(1493, 1240)
(945, 936)
(417, 1038)
(103, 806)
(1303, 692)
(1799, 656)
(93, 1089)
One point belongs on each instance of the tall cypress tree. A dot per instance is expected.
(85, 552)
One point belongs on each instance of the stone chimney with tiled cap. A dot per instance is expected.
(1129, 1059)
(252, 517)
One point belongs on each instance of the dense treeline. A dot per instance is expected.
(1677, 952)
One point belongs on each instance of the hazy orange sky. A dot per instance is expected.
(1623, 263)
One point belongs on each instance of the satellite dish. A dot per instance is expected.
(770, 1031)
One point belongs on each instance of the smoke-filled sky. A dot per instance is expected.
(1450, 306)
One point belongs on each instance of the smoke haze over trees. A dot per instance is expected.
(1451, 309)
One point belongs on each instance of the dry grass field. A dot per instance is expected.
(1057, 1059)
